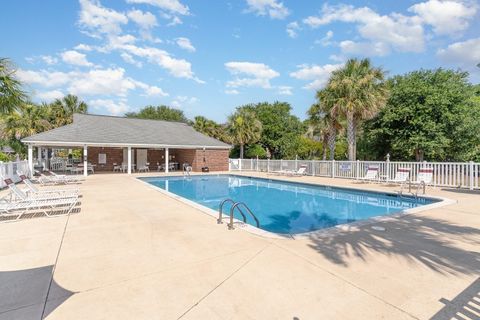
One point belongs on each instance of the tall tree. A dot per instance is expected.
(359, 92)
(431, 114)
(244, 128)
(11, 93)
(281, 130)
(159, 113)
(62, 110)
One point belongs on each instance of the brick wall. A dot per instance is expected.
(216, 160)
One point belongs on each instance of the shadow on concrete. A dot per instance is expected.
(417, 239)
(24, 288)
(463, 191)
(466, 305)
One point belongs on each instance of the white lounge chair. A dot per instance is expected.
(302, 170)
(117, 167)
(424, 178)
(371, 175)
(54, 178)
(32, 188)
(19, 208)
(25, 196)
(401, 176)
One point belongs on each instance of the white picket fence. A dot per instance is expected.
(8, 170)
(445, 174)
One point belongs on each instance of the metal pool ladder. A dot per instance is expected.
(235, 205)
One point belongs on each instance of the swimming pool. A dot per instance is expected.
(287, 207)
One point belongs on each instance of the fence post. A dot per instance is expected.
(296, 162)
(471, 175)
(239, 164)
(268, 165)
(358, 169)
(387, 163)
(313, 168)
(333, 168)
(256, 164)
(281, 164)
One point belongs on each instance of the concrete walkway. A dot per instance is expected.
(134, 253)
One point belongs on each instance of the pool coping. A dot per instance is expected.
(330, 231)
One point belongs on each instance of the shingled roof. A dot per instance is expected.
(97, 130)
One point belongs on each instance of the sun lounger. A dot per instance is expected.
(302, 170)
(424, 178)
(32, 188)
(19, 208)
(371, 175)
(54, 178)
(20, 195)
(401, 176)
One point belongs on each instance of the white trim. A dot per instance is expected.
(133, 145)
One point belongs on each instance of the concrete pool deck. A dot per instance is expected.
(135, 253)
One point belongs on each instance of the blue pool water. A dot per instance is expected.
(286, 207)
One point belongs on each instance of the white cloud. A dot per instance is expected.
(464, 53)
(364, 48)
(179, 68)
(232, 91)
(285, 90)
(292, 29)
(175, 21)
(83, 47)
(96, 19)
(76, 58)
(129, 59)
(114, 108)
(396, 31)
(319, 74)
(49, 60)
(145, 20)
(446, 17)
(49, 96)
(185, 43)
(173, 6)
(272, 8)
(181, 101)
(250, 74)
(325, 41)
(111, 81)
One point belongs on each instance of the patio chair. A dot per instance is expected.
(301, 171)
(401, 176)
(24, 196)
(144, 168)
(160, 167)
(117, 167)
(424, 178)
(19, 208)
(32, 188)
(371, 175)
(65, 178)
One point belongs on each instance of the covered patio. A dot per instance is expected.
(126, 145)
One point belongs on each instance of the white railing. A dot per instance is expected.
(445, 174)
(8, 170)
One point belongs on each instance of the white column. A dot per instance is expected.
(129, 160)
(30, 160)
(166, 160)
(85, 161)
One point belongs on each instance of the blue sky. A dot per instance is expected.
(207, 57)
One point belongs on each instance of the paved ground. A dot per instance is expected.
(134, 253)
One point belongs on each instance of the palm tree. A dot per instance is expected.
(28, 120)
(63, 109)
(325, 111)
(11, 93)
(244, 128)
(359, 92)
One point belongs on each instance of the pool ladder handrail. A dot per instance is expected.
(236, 205)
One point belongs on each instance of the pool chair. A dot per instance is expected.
(54, 178)
(401, 176)
(32, 188)
(18, 194)
(117, 167)
(371, 175)
(144, 168)
(302, 170)
(424, 178)
(19, 208)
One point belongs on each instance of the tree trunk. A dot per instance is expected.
(419, 154)
(324, 147)
(351, 136)
(332, 137)
(241, 151)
